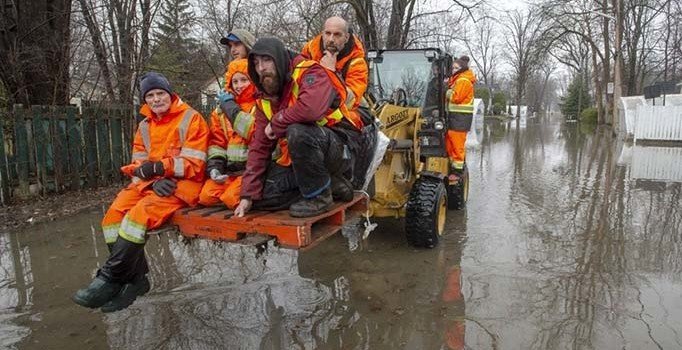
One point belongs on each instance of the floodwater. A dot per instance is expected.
(571, 240)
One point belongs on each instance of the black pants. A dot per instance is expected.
(126, 262)
(317, 153)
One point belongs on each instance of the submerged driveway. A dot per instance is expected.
(571, 240)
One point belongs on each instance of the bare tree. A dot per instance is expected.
(119, 31)
(484, 53)
(34, 54)
(525, 46)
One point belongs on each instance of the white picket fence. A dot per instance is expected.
(659, 123)
(657, 163)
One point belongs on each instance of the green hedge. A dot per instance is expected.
(589, 115)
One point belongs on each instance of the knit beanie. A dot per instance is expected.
(153, 80)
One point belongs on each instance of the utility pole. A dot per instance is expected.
(617, 69)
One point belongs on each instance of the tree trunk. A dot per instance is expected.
(98, 46)
(34, 50)
(395, 24)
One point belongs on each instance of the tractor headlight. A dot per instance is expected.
(438, 125)
(372, 54)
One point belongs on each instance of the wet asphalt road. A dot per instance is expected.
(571, 240)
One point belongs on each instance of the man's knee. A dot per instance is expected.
(301, 135)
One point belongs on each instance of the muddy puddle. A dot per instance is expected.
(571, 240)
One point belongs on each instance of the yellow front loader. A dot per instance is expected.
(407, 94)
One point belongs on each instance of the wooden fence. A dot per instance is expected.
(52, 149)
(48, 149)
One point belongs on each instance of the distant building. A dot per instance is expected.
(209, 91)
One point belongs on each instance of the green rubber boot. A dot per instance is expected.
(98, 293)
(128, 295)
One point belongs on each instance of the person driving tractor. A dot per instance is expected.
(460, 101)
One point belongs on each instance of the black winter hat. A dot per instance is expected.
(153, 80)
(274, 48)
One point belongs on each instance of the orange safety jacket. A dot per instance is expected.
(227, 140)
(231, 141)
(351, 66)
(179, 140)
(460, 93)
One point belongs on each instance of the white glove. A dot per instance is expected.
(217, 176)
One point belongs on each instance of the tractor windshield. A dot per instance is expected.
(402, 77)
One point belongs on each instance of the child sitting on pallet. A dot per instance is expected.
(231, 130)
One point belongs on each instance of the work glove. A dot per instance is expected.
(228, 105)
(235, 167)
(215, 169)
(217, 176)
(164, 187)
(215, 163)
(148, 170)
(224, 96)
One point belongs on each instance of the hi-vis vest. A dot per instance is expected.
(178, 161)
(237, 140)
(466, 108)
(281, 154)
(336, 115)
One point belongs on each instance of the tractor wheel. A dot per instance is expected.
(425, 212)
(458, 193)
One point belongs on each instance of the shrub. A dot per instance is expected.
(589, 115)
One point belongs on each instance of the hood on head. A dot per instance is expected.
(274, 48)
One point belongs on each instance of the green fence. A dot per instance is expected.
(52, 149)
(48, 149)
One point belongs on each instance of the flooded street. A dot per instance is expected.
(571, 240)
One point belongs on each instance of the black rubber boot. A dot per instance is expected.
(126, 262)
(110, 247)
(128, 294)
(98, 293)
(311, 207)
(342, 189)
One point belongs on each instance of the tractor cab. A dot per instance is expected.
(407, 92)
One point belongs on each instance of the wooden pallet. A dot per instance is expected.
(218, 223)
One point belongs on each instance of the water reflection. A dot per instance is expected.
(563, 245)
(585, 244)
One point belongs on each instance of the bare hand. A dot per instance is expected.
(268, 132)
(243, 207)
(329, 60)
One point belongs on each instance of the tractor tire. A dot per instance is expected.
(458, 193)
(425, 212)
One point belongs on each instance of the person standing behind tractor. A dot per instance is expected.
(231, 132)
(302, 107)
(460, 98)
(167, 172)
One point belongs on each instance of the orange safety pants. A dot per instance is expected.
(228, 192)
(133, 213)
(454, 144)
